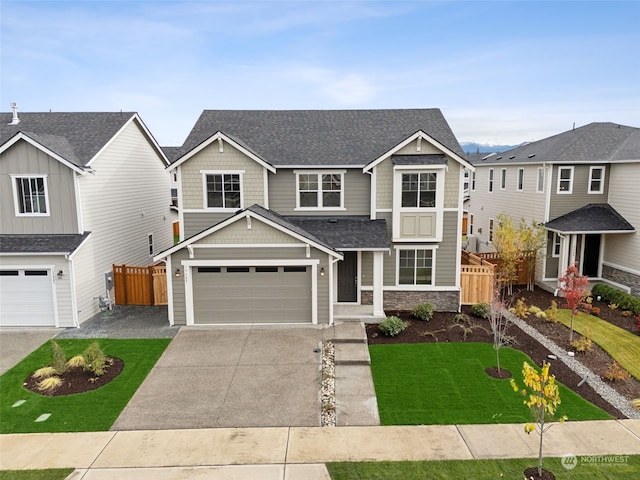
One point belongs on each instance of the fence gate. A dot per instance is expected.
(140, 285)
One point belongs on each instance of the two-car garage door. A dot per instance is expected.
(26, 298)
(256, 294)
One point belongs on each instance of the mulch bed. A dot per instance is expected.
(77, 380)
(439, 329)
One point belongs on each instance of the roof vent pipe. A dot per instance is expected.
(14, 120)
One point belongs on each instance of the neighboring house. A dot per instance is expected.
(582, 185)
(79, 192)
(285, 216)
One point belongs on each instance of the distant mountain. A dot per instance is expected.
(472, 147)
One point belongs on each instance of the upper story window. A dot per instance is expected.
(30, 194)
(491, 179)
(520, 179)
(596, 180)
(565, 180)
(473, 181)
(491, 229)
(540, 181)
(320, 190)
(419, 189)
(503, 179)
(223, 190)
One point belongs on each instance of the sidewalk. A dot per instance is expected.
(297, 453)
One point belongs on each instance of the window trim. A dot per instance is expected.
(540, 180)
(320, 191)
(415, 248)
(205, 204)
(601, 180)
(503, 179)
(569, 190)
(490, 181)
(557, 242)
(520, 180)
(17, 201)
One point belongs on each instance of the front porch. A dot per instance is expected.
(355, 313)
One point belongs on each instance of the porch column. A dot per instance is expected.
(573, 250)
(378, 271)
(563, 261)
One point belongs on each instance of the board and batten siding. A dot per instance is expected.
(211, 159)
(356, 187)
(126, 199)
(526, 204)
(624, 249)
(23, 159)
(562, 203)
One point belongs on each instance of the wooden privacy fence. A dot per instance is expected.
(140, 285)
(476, 279)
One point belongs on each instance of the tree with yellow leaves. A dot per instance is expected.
(542, 397)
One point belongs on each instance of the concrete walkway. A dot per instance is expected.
(297, 453)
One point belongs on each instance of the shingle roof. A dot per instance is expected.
(592, 218)
(321, 137)
(346, 232)
(593, 143)
(75, 136)
(60, 243)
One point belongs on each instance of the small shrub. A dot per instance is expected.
(583, 345)
(613, 306)
(424, 311)
(59, 360)
(391, 326)
(616, 373)
(481, 310)
(49, 383)
(636, 403)
(627, 313)
(94, 359)
(617, 297)
(595, 311)
(77, 361)
(432, 333)
(521, 310)
(552, 312)
(45, 372)
(462, 318)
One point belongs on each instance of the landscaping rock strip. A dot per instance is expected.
(328, 387)
(604, 390)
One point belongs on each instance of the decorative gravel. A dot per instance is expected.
(328, 386)
(604, 390)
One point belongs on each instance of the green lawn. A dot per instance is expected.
(50, 474)
(85, 412)
(445, 384)
(623, 346)
(480, 469)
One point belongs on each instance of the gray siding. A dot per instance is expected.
(25, 159)
(357, 192)
(565, 203)
(198, 222)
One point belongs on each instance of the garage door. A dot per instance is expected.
(252, 294)
(26, 298)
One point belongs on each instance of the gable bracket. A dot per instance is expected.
(220, 145)
(308, 250)
(419, 144)
(190, 249)
(248, 222)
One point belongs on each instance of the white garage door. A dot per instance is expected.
(26, 298)
(252, 294)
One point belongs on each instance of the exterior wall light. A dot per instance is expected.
(322, 271)
(60, 274)
(177, 272)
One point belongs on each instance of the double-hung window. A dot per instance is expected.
(223, 190)
(556, 245)
(415, 267)
(30, 193)
(565, 180)
(320, 190)
(419, 190)
(596, 180)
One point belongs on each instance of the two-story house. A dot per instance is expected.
(286, 215)
(581, 184)
(79, 192)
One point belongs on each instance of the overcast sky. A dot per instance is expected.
(502, 72)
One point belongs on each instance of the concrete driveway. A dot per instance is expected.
(244, 376)
(17, 343)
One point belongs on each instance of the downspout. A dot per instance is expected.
(72, 287)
